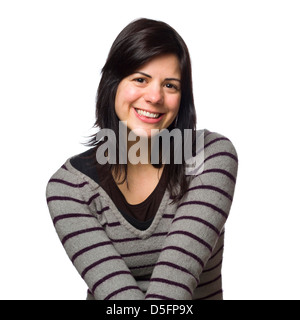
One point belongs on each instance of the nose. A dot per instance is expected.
(154, 94)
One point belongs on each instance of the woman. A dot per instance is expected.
(144, 230)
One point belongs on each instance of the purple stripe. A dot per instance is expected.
(71, 215)
(229, 175)
(140, 253)
(74, 234)
(209, 225)
(185, 252)
(124, 240)
(168, 216)
(121, 290)
(55, 198)
(191, 235)
(227, 195)
(112, 224)
(96, 245)
(159, 234)
(214, 267)
(175, 266)
(144, 266)
(223, 213)
(102, 210)
(158, 296)
(172, 283)
(209, 282)
(89, 292)
(222, 247)
(64, 167)
(211, 295)
(98, 263)
(80, 185)
(109, 276)
(227, 154)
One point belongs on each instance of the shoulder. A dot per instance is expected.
(71, 178)
(220, 155)
(216, 142)
(213, 150)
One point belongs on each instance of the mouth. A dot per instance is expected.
(150, 115)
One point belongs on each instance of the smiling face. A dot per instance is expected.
(150, 97)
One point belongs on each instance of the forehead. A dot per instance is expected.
(167, 65)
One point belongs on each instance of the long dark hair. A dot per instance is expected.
(138, 43)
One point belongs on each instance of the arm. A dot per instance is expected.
(73, 208)
(197, 224)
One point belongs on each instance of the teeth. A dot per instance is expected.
(147, 114)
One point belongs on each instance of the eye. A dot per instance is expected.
(139, 80)
(172, 86)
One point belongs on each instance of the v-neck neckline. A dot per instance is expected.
(142, 234)
(149, 197)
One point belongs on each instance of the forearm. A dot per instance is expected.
(86, 243)
(196, 226)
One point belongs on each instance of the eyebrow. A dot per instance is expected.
(148, 76)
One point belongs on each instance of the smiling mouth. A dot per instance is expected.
(148, 114)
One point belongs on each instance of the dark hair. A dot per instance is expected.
(138, 43)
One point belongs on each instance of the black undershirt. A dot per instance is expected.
(139, 215)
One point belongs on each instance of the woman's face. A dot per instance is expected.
(150, 97)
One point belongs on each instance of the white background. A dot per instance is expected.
(246, 69)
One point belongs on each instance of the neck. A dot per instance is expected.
(138, 150)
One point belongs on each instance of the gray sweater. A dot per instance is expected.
(179, 257)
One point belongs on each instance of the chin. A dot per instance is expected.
(142, 132)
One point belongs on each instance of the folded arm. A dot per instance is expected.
(197, 224)
(70, 202)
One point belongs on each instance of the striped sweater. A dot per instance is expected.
(179, 257)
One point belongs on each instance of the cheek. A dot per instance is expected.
(126, 94)
(174, 103)
(124, 97)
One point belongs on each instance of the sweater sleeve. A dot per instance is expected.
(73, 208)
(197, 224)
